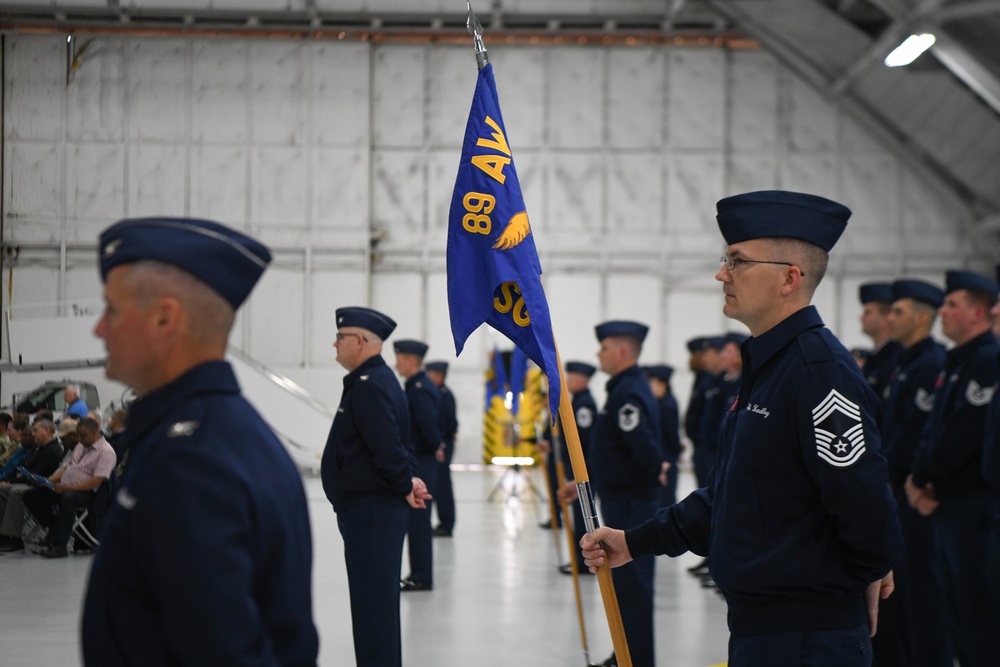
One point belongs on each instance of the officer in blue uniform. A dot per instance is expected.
(876, 299)
(578, 376)
(913, 627)
(991, 472)
(424, 401)
(659, 383)
(798, 522)
(703, 360)
(206, 555)
(444, 494)
(947, 480)
(368, 473)
(720, 397)
(627, 455)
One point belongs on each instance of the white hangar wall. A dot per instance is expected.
(342, 157)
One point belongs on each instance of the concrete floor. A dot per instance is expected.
(498, 599)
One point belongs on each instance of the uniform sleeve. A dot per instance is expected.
(991, 443)
(915, 405)
(640, 431)
(674, 530)
(374, 415)
(670, 426)
(194, 529)
(961, 438)
(450, 411)
(425, 418)
(840, 446)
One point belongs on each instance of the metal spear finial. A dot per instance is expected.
(476, 30)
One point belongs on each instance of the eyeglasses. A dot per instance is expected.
(733, 262)
(342, 336)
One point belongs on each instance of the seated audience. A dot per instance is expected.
(43, 458)
(88, 466)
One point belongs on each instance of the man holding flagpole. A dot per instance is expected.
(798, 519)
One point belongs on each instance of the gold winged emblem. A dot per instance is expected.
(516, 231)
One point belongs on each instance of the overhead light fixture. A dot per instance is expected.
(909, 50)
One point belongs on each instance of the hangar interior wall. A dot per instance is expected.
(342, 156)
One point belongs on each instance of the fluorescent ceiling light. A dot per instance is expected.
(909, 50)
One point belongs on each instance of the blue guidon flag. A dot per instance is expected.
(493, 268)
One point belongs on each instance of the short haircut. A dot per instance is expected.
(212, 316)
(46, 424)
(5, 419)
(633, 344)
(811, 259)
(926, 308)
(19, 424)
(88, 423)
(982, 298)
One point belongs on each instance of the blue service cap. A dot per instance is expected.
(224, 259)
(918, 290)
(355, 316)
(580, 367)
(777, 213)
(437, 366)
(875, 292)
(696, 344)
(734, 337)
(660, 372)
(621, 328)
(410, 347)
(956, 280)
(715, 343)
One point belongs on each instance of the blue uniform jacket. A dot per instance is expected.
(585, 414)
(991, 447)
(951, 448)
(908, 404)
(448, 415)
(625, 448)
(696, 407)
(799, 518)
(368, 455)
(719, 397)
(206, 555)
(670, 428)
(879, 367)
(424, 400)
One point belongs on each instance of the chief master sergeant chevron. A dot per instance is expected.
(798, 520)
(206, 556)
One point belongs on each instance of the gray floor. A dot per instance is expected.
(498, 599)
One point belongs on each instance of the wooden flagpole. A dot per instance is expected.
(571, 542)
(582, 478)
(580, 474)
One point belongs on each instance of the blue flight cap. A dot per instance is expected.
(366, 318)
(956, 280)
(437, 366)
(224, 259)
(696, 344)
(660, 372)
(580, 367)
(733, 337)
(410, 347)
(777, 213)
(918, 290)
(715, 343)
(875, 292)
(621, 328)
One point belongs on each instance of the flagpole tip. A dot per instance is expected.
(476, 30)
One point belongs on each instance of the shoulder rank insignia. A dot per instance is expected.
(978, 396)
(584, 418)
(840, 435)
(125, 499)
(628, 417)
(182, 429)
(924, 400)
